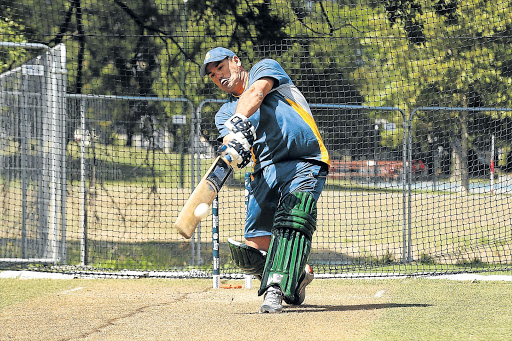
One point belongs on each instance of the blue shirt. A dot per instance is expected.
(285, 127)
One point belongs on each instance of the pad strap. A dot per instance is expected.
(294, 225)
(247, 258)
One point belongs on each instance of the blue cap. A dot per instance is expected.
(215, 55)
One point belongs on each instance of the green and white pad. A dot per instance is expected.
(294, 225)
(247, 258)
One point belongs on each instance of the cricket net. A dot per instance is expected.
(106, 127)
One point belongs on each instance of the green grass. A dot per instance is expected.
(116, 164)
(14, 291)
(446, 310)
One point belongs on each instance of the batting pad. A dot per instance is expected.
(247, 258)
(294, 225)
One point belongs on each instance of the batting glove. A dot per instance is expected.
(236, 155)
(242, 130)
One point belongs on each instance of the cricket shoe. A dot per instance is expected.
(300, 292)
(273, 302)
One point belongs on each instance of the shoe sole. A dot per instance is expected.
(268, 310)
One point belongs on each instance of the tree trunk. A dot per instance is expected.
(460, 173)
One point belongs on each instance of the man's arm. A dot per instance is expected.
(238, 143)
(251, 99)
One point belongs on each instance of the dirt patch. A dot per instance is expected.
(190, 310)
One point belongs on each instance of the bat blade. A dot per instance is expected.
(205, 192)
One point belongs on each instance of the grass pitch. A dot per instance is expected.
(167, 309)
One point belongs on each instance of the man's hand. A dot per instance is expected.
(242, 130)
(235, 153)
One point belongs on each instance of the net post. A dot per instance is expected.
(248, 278)
(215, 242)
(492, 164)
(248, 281)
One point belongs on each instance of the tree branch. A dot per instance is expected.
(150, 28)
(63, 28)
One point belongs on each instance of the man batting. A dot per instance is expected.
(268, 120)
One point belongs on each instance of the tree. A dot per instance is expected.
(10, 32)
(460, 59)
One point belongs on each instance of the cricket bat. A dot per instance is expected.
(205, 192)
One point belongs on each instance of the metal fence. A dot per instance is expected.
(32, 158)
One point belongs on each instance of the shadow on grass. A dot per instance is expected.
(108, 170)
(313, 308)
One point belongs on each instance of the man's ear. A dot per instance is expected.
(237, 60)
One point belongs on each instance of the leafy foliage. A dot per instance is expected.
(10, 31)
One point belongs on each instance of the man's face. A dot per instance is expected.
(225, 74)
